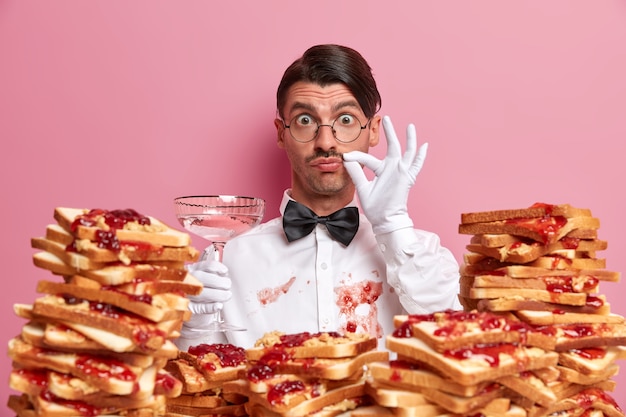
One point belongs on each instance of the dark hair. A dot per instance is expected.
(330, 64)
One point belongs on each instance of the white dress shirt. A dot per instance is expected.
(316, 284)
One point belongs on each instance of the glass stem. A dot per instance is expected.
(218, 255)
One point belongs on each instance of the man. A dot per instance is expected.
(293, 274)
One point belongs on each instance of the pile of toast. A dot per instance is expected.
(455, 362)
(97, 340)
(540, 265)
(296, 375)
(203, 370)
(536, 338)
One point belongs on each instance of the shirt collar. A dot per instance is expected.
(287, 197)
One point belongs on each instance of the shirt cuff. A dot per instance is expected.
(397, 245)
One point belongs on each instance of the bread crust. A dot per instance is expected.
(314, 345)
(537, 210)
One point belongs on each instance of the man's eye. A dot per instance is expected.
(346, 119)
(305, 120)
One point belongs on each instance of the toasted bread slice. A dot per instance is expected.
(325, 368)
(546, 318)
(588, 335)
(230, 410)
(297, 398)
(499, 240)
(114, 377)
(193, 380)
(591, 360)
(523, 271)
(447, 330)
(159, 307)
(593, 305)
(125, 252)
(561, 283)
(216, 362)
(142, 332)
(574, 299)
(390, 396)
(537, 210)
(472, 365)
(73, 337)
(313, 345)
(522, 252)
(575, 377)
(545, 230)
(411, 375)
(127, 225)
(115, 274)
(530, 386)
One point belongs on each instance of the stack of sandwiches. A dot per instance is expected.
(540, 265)
(302, 374)
(97, 340)
(454, 362)
(536, 338)
(203, 370)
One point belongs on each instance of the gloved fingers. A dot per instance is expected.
(211, 295)
(366, 159)
(356, 173)
(210, 280)
(202, 308)
(210, 266)
(418, 162)
(393, 144)
(411, 145)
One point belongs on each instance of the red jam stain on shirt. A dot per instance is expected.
(271, 295)
(349, 297)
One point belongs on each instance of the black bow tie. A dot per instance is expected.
(299, 221)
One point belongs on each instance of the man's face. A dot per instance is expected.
(317, 166)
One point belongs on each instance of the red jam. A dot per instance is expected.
(228, 354)
(590, 353)
(487, 352)
(277, 393)
(547, 226)
(115, 219)
(260, 373)
(104, 368)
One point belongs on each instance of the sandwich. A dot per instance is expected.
(540, 265)
(306, 373)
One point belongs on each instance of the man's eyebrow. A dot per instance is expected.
(347, 103)
(298, 105)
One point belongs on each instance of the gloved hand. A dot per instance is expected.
(384, 199)
(214, 278)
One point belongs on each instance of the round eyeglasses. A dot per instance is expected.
(346, 128)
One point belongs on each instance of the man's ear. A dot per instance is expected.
(280, 130)
(375, 130)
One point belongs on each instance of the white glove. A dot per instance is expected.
(214, 278)
(384, 199)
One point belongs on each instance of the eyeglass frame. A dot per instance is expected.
(332, 128)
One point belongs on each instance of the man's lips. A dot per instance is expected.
(327, 164)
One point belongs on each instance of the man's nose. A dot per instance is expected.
(325, 137)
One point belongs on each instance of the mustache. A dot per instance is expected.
(323, 154)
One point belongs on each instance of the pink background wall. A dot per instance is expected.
(129, 104)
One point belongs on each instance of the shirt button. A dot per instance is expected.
(325, 321)
(383, 247)
(323, 265)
